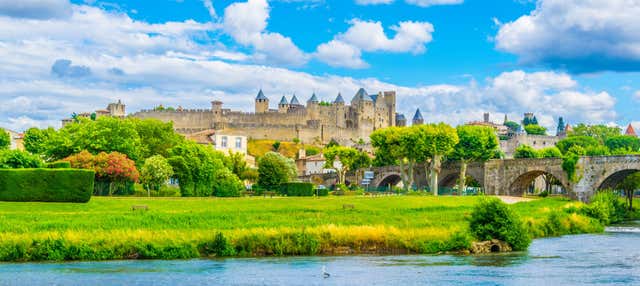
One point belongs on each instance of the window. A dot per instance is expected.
(223, 144)
(238, 142)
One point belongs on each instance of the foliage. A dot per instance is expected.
(312, 150)
(16, 159)
(5, 139)
(195, 166)
(349, 159)
(569, 163)
(332, 143)
(599, 150)
(276, 146)
(535, 129)
(606, 207)
(35, 139)
(156, 137)
(576, 140)
(598, 132)
(59, 165)
(493, 219)
(226, 184)
(257, 148)
(274, 170)
(237, 164)
(513, 126)
(297, 189)
(525, 151)
(630, 184)
(476, 143)
(550, 152)
(623, 142)
(114, 170)
(46, 185)
(155, 172)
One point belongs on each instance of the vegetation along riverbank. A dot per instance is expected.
(176, 228)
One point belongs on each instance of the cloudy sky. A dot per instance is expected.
(453, 59)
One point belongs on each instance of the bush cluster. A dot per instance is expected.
(606, 207)
(46, 185)
(493, 219)
(297, 189)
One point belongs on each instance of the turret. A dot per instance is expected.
(216, 107)
(116, 109)
(630, 131)
(417, 118)
(339, 100)
(313, 99)
(401, 121)
(283, 106)
(262, 103)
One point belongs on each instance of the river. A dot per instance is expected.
(612, 258)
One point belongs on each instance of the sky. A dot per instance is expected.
(453, 59)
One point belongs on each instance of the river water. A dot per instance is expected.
(612, 258)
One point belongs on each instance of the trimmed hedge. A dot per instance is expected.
(296, 189)
(59, 165)
(322, 192)
(46, 185)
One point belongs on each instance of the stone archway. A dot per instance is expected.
(451, 180)
(390, 180)
(522, 183)
(612, 178)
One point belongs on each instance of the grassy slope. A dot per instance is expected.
(251, 224)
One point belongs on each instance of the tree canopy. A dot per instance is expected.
(476, 143)
(535, 129)
(525, 151)
(5, 139)
(583, 141)
(155, 172)
(349, 158)
(599, 132)
(623, 142)
(274, 170)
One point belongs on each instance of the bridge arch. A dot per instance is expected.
(451, 180)
(390, 179)
(520, 185)
(612, 178)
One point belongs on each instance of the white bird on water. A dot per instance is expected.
(325, 274)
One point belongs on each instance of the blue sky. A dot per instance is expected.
(453, 59)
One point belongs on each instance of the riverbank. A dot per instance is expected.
(176, 228)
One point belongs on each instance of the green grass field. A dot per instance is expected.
(107, 228)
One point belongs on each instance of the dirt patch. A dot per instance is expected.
(513, 200)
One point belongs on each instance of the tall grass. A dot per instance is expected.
(107, 228)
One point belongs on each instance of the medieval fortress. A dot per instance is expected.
(316, 122)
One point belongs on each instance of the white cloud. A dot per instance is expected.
(345, 49)
(636, 95)
(373, 2)
(36, 9)
(578, 35)
(339, 54)
(246, 22)
(212, 11)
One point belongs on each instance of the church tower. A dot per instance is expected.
(417, 118)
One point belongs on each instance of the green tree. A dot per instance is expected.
(155, 172)
(276, 146)
(476, 143)
(550, 152)
(388, 150)
(630, 184)
(195, 166)
(226, 184)
(236, 163)
(493, 219)
(439, 144)
(597, 150)
(599, 132)
(348, 158)
(156, 137)
(16, 159)
(35, 139)
(513, 126)
(583, 141)
(535, 129)
(525, 151)
(5, 139)
(623, 142)
(274, 170)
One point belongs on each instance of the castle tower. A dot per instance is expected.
(116, 109)
(561, 127)
(283, 106)
(313, 99)
(339, 100)
(341, 111)
(365, 110)
(401, 121)
(312, 106)
(417, 118)
(390, 100)
(262, 103)
(216, 107)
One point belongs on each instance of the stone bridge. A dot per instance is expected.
(514, 176)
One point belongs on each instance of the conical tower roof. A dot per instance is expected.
(339, 99)
(294, 100)
(630, 131)
(361, 95)
(418, 115)
(284, 101)
(313, 99)
(261, 96)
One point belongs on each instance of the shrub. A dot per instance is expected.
(607, 207)
(525, 151)
(219, 246)
(322, 192)
(297, 189)
(46, 185)
(59, 165)
(16, 159)
(493, 219)
(226, 184)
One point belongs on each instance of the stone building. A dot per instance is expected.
(114, 109)
(315, 122)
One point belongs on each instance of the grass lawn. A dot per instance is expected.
(107, 228)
